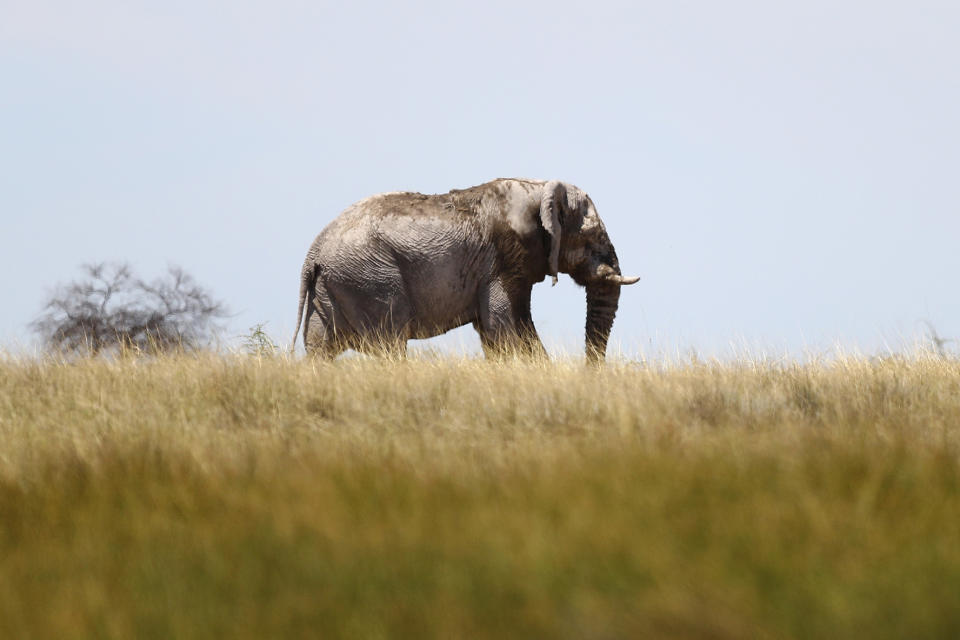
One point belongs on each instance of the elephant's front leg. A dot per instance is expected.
(527, 331)
(530, 340)
(505, 325)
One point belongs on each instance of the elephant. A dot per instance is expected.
(404, 265)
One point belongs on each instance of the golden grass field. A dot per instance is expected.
(220, 496)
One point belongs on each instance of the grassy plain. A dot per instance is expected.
(237, 497)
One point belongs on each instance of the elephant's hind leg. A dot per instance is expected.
(321, 342)
(319, 337)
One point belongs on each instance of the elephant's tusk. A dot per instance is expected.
(622, 280)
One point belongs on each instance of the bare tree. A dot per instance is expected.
(109, 309)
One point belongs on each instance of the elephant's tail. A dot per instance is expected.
(306, 280)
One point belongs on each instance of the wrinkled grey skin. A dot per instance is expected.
(405, 265)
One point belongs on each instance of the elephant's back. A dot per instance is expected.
(384, 222)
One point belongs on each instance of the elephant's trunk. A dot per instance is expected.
(602, 300)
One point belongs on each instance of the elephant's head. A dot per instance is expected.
(580, 247)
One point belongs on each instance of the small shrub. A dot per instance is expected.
(258, 343)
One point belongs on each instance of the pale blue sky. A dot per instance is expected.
(783, 175)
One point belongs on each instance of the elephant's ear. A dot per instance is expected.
(575, 200)
(554, 193)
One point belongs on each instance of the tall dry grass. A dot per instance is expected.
(217, 496)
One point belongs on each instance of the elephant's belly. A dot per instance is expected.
(418, 330)
(415, 307)
(442, 292)
(439, 308)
